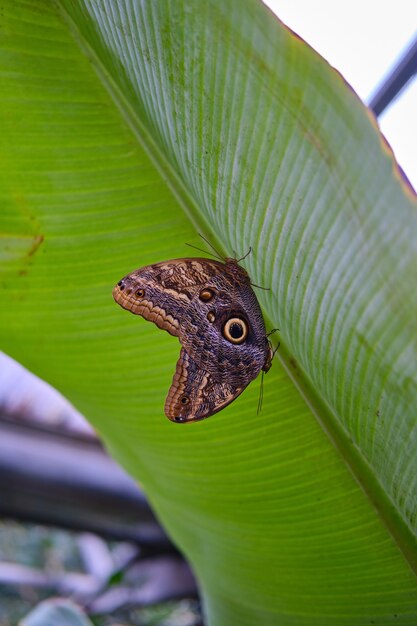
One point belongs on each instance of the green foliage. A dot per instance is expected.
(126, 127)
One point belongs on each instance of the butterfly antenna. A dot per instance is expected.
(219, 256)
(252, 284)
(261, 395)
(259, 286)
(245, 255)
(190, 245)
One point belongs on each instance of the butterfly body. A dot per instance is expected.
(211, 307)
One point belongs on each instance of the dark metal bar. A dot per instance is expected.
(396, 79)
(71, 482)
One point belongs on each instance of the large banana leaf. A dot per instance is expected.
(128, 126)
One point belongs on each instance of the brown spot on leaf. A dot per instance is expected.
(37, 241)
(293, 363)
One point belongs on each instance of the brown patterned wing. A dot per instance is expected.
(161, 293)
(194, 394)
(212, 309)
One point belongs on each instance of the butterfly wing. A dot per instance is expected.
(161, 293)
(194, 394)
(195, 299)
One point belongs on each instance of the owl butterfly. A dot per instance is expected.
(211, 307)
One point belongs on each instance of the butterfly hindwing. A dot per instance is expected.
(194, 394)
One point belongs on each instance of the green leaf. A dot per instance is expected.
(126, 128)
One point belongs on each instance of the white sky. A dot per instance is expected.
(363, 39)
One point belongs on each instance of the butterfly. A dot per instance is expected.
(211, 307)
